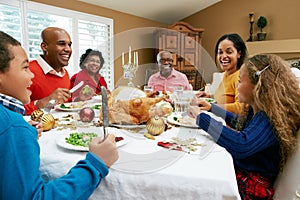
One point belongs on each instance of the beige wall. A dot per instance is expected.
(128, 30)
(227, 16)
(230, 16)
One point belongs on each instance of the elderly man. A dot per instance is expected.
(51, 80)
(167, 78)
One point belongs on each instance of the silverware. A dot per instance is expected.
(104, 110)
(49, 105)
(76, 87)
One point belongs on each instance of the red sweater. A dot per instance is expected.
(44, 84)
(84, 76)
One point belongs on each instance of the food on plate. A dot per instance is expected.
(136, 110)
(48, 122)
(84, 139)
(86, 114)
(80, 139)
(156, 125)
(37, 115)
(73, 105)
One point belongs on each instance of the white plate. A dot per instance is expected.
(184, 120)
(61, 141)
(129, 126)
(210, 100)
(97, 98)
(76, 107)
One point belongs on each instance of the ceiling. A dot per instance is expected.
(164, 11)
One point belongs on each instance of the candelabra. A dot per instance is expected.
(130, 68)
(251, 17)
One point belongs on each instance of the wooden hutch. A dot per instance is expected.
(184, 42)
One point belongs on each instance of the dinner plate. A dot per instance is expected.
(182, 120)
(129, 126)
(75, 106)
(61, 141)
(209, 100)
(97, 98)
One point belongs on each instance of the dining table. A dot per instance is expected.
(145, 170)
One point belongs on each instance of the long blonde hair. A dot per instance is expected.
(277, 93)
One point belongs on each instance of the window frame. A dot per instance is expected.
(25, 5)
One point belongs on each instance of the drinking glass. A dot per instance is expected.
(148, 89)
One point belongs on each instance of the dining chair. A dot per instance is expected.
(287, 185)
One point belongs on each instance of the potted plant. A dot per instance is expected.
(261, 23)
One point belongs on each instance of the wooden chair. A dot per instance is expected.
(287, 185)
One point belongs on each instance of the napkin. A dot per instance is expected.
(169, 145)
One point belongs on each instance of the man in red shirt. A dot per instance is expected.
(51, 80)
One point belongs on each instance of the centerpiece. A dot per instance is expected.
(130, 68)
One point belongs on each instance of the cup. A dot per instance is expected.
(181, 104)
(148, 89)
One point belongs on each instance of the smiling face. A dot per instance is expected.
(165, 61)
(228, 56)
(17, 73)
(92, 64)
(57, 48)
(245, 87)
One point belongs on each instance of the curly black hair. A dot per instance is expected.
(5, 54)
(90, 52)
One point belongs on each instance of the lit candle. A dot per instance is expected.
(123, 59)
(251, 15)
(129, 54)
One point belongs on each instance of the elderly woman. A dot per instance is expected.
(90, 63)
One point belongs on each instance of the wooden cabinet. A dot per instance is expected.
(184, 42)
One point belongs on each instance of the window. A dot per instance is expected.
(25, 20)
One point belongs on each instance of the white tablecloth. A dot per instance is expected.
(147, 171)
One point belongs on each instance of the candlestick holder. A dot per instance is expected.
(129, 72)
(251, 18)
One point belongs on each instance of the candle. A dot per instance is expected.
(129, 54)
(137, 59)
(134, 58)
(123, 59)
(251, 16)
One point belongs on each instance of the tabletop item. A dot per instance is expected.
(77, 143)
(156, 125)
(104, 109)
(76, 87)
(70, 107)
(48, 121)
(49, 105)
(182, 119)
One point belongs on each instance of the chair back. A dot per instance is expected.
(287, 185)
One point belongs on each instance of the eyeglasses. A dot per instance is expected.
(94, 61)
(163, 60)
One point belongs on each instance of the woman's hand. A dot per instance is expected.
(105, 149)
(38, 126)
(202, 94)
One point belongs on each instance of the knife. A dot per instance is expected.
(76, 87)
(104, 110)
